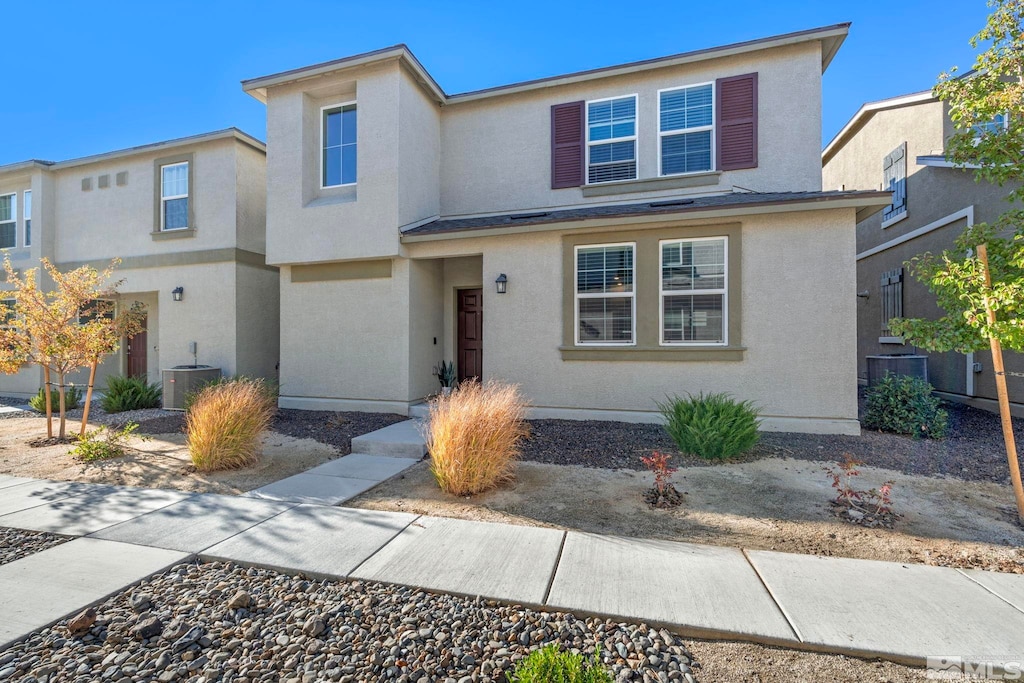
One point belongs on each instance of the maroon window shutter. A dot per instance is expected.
(567, 144)
(736, 110)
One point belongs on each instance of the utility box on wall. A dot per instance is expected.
(912, 365)
(181, 380)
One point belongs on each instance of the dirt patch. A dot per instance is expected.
(769, 504)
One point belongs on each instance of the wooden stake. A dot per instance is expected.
(88, 396)
(1004, 399)
(46, 395)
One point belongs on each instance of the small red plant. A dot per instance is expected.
(873, 501)
(658, 464)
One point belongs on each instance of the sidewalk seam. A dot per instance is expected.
(778, 605)
(290, 505)
(554, 569)
(986, 588)
(383, 545)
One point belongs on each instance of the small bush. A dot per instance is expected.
(72, 397)
(905, 405)
(473, 436)
(549, 665)
(105, 442)
(714, 427)
(130, 393)
(224, 424)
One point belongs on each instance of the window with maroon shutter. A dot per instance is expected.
(736, 115)
(567, 145)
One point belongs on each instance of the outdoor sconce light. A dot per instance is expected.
(502, 283)
(178, 293)
(863, 294)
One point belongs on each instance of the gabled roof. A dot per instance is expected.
(235, 133)
(732, 203)
(831, 38)
(867, 110)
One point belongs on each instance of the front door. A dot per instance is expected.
(470, 351)
(137, 352)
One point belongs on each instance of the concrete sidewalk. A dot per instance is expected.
(895, 611)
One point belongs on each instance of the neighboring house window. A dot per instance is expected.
(605, 304)
(693, 291)
(8, 221)
(894, 179)
(7, 314)
(27, 212)
(686, 129)
(611, 139)
(338, 145)
(174, 196)
(892, 298)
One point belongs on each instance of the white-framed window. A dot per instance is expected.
(96, 309)
(338, 145)
(7, 314)
(605, 300)
(611, 139)
(26, 209)
(694, 291)
(996, 125)
(8, 220)
(174, 196)
(686, 129)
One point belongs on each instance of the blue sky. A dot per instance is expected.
(92, 77)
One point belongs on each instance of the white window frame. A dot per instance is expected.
(662, 292)
(696, 129)
(164, 199)
(320, 123)
(14, 218)
(26, 218)
(634, 137)
(13, 323)
(1006, 124)
(602, 295)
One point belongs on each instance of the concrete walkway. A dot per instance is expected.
(896, 611)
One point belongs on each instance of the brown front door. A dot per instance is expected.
(137, 352)
(470, 352)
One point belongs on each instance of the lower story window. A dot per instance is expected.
(693, 291)
(892, 298)
(605, 303)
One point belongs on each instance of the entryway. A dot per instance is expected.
(136, 351)
(470, 333)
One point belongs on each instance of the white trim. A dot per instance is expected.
(602, 295)
(696, 129)
(166, 198)
(26, 217)
(967, 213)
(14, 218)
(320, 123)
(895, 219)
(635, 137)
(936, 161)
(870, 108)
(724, 292)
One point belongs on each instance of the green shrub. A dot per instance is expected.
(714, 427)
(130, 393)
(905, 405)
(549, 665)
(105, 442)
(72, 397)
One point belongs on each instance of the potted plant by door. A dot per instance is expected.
(446, 376)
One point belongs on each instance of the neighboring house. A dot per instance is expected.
(185, 215)
(657, 228)
(898, 144)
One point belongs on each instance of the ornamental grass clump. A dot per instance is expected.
(224, 424)
(713, 427)
(473, 436)
(550, 665)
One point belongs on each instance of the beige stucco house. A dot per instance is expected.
(185, 214)
(900, 143)
(603, 238)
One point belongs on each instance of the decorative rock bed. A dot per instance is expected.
(18, 543)
(223, 622)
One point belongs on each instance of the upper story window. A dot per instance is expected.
(8, 221)
(693, 291)
(338, 145)
(611, 139)
(894, 179)
(686, 127)
(605, 305)
(174, 196)
(27, 212)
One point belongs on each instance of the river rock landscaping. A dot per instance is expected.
(224, 622)
(18, 543)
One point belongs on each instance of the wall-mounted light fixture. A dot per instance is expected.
(864, 294)
(502, 283)
(178, 293)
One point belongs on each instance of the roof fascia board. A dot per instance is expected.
(231, 133)
(868, 110)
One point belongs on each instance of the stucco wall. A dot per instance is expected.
(257, 321)
(251, 199)
(426, 325)
(419, 153)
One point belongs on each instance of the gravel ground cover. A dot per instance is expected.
(18, 543)
(223, 622)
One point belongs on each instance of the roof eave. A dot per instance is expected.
(866, 111)
(23, 166)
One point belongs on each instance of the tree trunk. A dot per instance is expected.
(47, 395)
(63, 406)
(1004, 399)
(88, 396)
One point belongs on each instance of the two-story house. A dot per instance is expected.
(899, 144)
(187, 219)
(602, 238)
